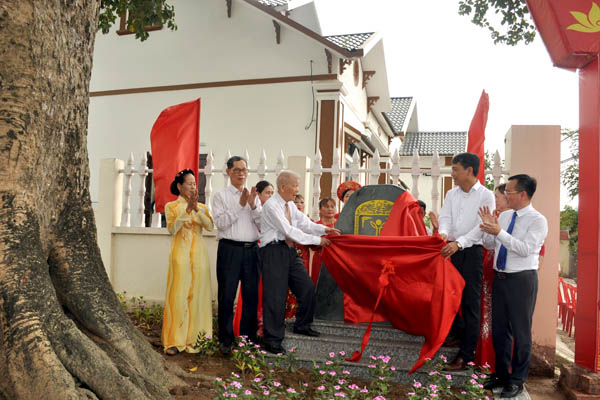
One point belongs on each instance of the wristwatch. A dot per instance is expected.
(459, 245)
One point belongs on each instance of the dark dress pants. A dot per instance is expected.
(282, 268)
(513, 301)
(469, 263)
(237, 263)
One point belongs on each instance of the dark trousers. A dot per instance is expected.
(513, 301)
(282, 268)
(237, 263)
(469, 263)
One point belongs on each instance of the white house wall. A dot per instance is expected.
(207, 47)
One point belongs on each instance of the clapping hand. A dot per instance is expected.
(192, 200)
(252, 197)
(489, 223)
(244, 197)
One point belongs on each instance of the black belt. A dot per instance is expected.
(276, 242)
(506, 275)
(236, 243)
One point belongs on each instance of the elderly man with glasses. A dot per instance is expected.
(236, 212)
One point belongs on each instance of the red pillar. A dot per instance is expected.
(587, 319)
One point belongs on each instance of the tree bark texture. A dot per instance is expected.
(63, 332)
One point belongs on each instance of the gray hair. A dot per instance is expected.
(234, 159)
(286, 177)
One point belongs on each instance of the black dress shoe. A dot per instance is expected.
(511, 391)
(274, 348)
(225, 349)
(459, 364)
(307, 332)
(494, 382)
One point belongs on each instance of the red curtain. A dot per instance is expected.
(476, 136)
(175, 143)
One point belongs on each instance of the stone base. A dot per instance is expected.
(579, 383)
(542, 361)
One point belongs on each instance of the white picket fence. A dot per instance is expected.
(354, 171)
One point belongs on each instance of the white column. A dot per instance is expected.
(126, 218)
(415, 172)
(435, 179)
(301, 165)
(108, 213)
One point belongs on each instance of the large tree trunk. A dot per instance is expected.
(63, 331)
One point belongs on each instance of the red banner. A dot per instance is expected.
(175, 142)
(570, 29)
(476, 136)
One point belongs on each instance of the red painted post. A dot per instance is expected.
(587, 319)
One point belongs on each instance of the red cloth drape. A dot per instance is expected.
(476, 136)
(423, 291)
(175, 143)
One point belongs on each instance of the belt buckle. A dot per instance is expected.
(501, 275)
(248, 244)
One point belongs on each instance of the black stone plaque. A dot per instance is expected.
(367, 210)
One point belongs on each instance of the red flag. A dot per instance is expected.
(477, 133)
(175, 143)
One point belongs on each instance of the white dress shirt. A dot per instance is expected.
(233, 221)
(275, 226)
(524, 244)
(458, 218)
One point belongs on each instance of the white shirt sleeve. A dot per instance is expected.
(275, 216)
(530, 243)
(475, 234)
(445, 217)
(223, 216)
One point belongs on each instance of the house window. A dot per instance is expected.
(448, 161)
(123, 26)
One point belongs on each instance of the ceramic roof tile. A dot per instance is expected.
(273, 3)
(396, 117)
(446, 143)
(350, 42)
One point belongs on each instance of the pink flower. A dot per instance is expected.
(291, 390)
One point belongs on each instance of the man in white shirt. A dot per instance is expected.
(236, 212)
(517, 236)
(282, 225)
(459, 225)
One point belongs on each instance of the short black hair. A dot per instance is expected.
(422, 204)
(262, 185)
(525, 183)
(501, 188)
(180, 178)
(467, 160)
(324, 201)
(234, 159)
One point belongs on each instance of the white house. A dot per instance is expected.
(267, 78)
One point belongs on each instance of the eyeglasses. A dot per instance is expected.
(516, 191)
(240, 170)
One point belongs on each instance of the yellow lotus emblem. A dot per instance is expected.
(589, 23)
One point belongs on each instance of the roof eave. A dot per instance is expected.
(337, 50)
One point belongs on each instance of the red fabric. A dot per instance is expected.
(485, 354)
(237, 316)
(419, 291)
(175, 143)
(316, 260)
(405, 219)
(477, 133)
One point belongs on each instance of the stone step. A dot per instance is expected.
(399, 350)
(379, 330)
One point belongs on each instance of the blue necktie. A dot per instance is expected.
(501, 261)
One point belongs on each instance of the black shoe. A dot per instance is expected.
(494, 382)
(225, 349)
(306, 332)
(511, 391)
(274, 348)
(459, 364)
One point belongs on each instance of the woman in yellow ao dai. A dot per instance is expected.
(188, 308)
